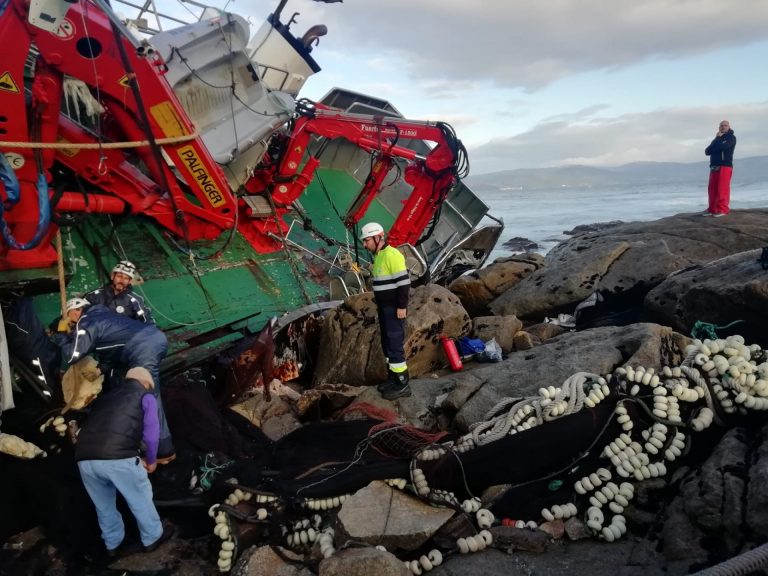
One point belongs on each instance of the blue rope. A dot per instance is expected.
(13, 193)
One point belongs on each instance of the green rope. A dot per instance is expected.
(210, 470)
(702, 330)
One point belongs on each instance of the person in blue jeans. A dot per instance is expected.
(107, 452)
(120, 341)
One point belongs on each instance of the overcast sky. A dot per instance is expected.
(530, 83)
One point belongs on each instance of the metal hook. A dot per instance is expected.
(102, 168)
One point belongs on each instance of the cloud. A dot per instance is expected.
(536, 71)
(665, 135)
(528, 45)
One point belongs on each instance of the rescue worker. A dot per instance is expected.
(120, 341)
(118, 294)
(391, 284)
(107, 454)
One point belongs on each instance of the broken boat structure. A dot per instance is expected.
(189, 152)
(240, 202)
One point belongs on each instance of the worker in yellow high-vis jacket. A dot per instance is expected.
(390, 289)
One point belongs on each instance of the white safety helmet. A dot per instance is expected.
(75, 303)
(371, 229)
(125, 267)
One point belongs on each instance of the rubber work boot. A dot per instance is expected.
(398, 387)
(116, 553)
(388, 383)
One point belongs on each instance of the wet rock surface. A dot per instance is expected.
(350, 350)
(478, 289)
(379, 514)
(729, 289)
(520, 244)
(625, 261)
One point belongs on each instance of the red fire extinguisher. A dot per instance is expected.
(449, 347)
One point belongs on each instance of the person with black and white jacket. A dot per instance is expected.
(118, 295)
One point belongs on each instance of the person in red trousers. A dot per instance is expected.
(720, 153)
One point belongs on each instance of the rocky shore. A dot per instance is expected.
(624, 295)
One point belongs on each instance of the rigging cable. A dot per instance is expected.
(289, 253)
(194, 73)
(157, 154)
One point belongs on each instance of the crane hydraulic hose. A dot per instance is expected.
(13, 193)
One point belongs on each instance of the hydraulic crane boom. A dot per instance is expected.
(142, 154)
(431, 176)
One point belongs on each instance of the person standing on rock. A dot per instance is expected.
(391, 285)
(720, 153)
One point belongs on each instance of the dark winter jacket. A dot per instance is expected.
(115, 425)
(720, 151)
(127, 303)
(103, 331)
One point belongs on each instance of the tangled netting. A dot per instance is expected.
(574, 450)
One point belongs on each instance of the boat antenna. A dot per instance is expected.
(276, 14)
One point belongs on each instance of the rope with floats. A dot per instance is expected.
(674, 404)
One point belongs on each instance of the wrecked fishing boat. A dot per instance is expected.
(166, 205)
(188, 151)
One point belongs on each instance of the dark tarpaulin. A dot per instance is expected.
(325, 459)
(27, 341)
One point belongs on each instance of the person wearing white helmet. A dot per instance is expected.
(391, 285)
(118, 294)
(74, 309)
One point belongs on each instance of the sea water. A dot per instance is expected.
(544, 215)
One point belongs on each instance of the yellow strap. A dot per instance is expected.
(98, 145)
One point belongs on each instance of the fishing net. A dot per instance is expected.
(400, 441)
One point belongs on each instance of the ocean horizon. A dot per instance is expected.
(544, 215)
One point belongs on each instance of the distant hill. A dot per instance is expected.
(747, 171)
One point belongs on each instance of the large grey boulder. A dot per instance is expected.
(720, 509)
(363, 562)
(500, 328)
(599, 350)
(728, 289)
(476, 290)
(350, 344)
(265, 561)
(379, 514)
(628, 260)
